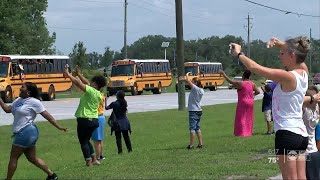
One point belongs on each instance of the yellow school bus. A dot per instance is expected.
(207, 72)
(45, 71)
(135, 75)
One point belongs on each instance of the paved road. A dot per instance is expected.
(65, 108)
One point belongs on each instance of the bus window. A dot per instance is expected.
(122, 70)
(192, 69)
(139, 68)
(4, 69)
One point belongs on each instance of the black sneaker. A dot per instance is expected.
(200, 146)
(190, 147)
(52, 177)
(102, 158)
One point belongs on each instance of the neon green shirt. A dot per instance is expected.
(89, 103)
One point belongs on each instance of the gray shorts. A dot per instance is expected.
(267, 115)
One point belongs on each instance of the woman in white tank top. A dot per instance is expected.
(291, 136)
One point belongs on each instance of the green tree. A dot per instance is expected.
(79, 56)
(23, 28)
(107, 57)
(94, 60)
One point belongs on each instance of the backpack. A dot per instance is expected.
(113, 123)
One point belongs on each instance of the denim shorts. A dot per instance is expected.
(194, 120)
(26, 137)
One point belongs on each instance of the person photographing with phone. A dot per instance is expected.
(194, 108)
(288, 97)
(244, 117)
(87, 111)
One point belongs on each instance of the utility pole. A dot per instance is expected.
(249, 26)
(180, 56)
(125, 30)
(310, 53)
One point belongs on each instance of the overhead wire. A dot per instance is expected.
(281, 10)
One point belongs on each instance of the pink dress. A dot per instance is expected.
(243, 123)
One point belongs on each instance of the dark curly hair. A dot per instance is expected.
(99, 80)
(246, 74)
(33, 89)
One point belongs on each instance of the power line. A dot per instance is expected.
(281, 10)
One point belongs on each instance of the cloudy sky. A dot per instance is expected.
(99, 23)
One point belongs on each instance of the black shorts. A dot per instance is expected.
(287, 141)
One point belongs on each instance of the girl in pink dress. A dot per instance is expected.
(246, 89)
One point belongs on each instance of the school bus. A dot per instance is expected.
(45, 71)
(135, 76)
(207, 72)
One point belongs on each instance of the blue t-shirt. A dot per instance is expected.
(267, 101)
(317, 132)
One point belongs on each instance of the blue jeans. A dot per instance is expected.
(26, 137)
(194, 121)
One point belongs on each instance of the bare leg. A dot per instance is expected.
(15, 154)
(288, 167)
(191, 139)
(199, 135)
(269, 125)
(30, 154)
(98, 148)
(301, 167)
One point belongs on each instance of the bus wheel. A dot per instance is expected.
(140, 92)
(8, 95)
(134, 90)
(158, 90)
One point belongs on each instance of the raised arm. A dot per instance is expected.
(74, 80)
(82, 78)
(106, 104)
(48, 116)
(255, 89)
(5, 107)
(186, 79)
(237, 84)
(277, 75)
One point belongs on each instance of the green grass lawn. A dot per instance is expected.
(159, 149)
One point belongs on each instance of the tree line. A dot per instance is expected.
(211, 49)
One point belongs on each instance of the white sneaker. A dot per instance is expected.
(96, 162)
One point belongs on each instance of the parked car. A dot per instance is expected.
(316, 79)
(237, 78)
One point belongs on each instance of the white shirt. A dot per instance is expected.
(195, 96)
(25, 111)
(287, 106)
(310, 118)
